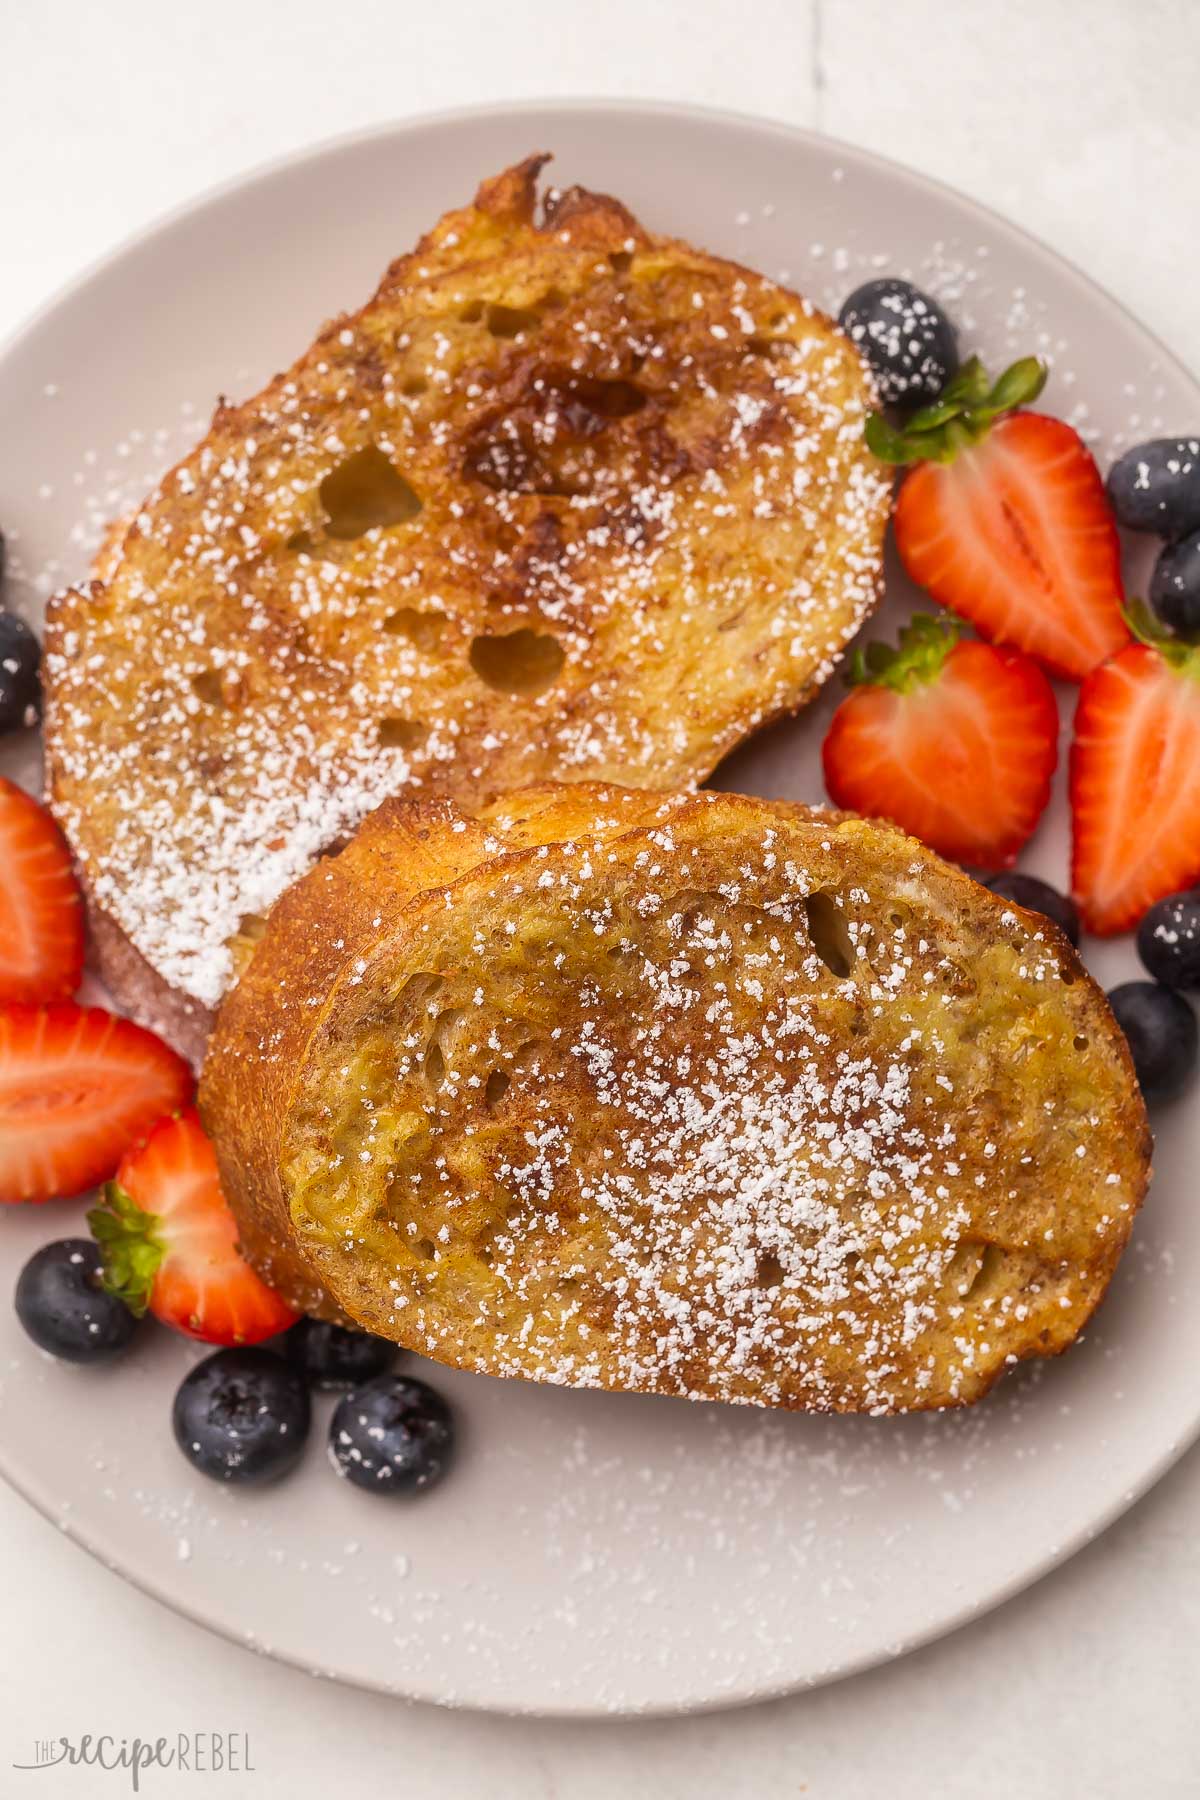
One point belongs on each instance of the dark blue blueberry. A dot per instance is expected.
(1168, 940)
(1175, 586)
(331, 1356)
(1162, 1034)
(63, 1307)
(1156, 487)
(242, 1415)
(392, 1436)
(1038, 896)
(905, 336)
(20, 688)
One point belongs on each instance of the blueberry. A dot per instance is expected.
(63, 1307)
(1163, 1039)
(1168, 940)
(394, 1435)
(242, 1415)
(1156, 487)
(1038, 896)
(20, 689)
(331, 1356)
(905, 336)
(1175, 586)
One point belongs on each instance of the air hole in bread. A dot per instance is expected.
(769, 1271)
(366, 491)
(517, 662)
(251, 926)
(1067, 977)
(299, 540)
(1080, 1041)
(497, 1086)
(773, 349)
(422, 989)
(434, 1061)
(829, 933)
(209, 686)
(510, 321)
(424, 629)
(964, 1267)
(589, 404)
(620, 260)
(991, 1266)
(401, 734)
(413, 386)
(433, 1065)
(693, 910)
(427, 1248)
(472, 312)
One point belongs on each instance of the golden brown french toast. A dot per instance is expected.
(563, 499)
(697, 1095)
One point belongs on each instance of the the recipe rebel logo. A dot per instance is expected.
(216, 1753)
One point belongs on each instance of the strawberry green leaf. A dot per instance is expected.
(925, 643)
(885, 442)
(130, 1249)
(962, 416)
(1019, 385)
(968, 388)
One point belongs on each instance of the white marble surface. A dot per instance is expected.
(1080, 121)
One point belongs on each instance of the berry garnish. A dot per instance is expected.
(953, 741)
(1156, 487)
(20, 689)
(332, 1356)
(1175, 587)
(169, 1242)
(1135, 779)
(1004, 519)
(1168, 940)
(1038, 896)
(906, 338)
(1162, 1034)
(242, 1415)
(64, 1307)
(394, 1435)
(78, 1086)
(41, 911)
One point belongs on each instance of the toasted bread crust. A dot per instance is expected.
(696, 1095)
(563, 499)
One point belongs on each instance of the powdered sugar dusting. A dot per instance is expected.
(463, 542)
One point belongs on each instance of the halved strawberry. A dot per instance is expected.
(169, 1242)
(1135, 780)
(41, 908)
(1006, 520)
(78, 1086)
(954, 742)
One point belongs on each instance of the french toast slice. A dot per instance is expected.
(564, 499)
(699, 1095)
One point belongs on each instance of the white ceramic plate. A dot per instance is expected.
(592, 1553)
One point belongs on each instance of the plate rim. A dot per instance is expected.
(964, 1612)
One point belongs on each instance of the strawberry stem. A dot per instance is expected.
(130, 1248)
(1148, 629)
